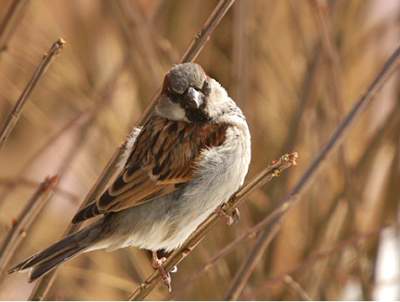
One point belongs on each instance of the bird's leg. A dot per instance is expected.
(158, 264)
(230, 216)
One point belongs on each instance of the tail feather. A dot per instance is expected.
(57, 253)
(56, 248)
(49, 264)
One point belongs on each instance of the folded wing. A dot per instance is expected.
(164, 156)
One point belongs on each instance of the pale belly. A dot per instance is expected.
(167, 222)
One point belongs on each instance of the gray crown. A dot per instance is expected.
(182, 76)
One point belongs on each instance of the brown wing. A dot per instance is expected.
(164, 155)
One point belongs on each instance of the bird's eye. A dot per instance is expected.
(206, 88)
(173, 96)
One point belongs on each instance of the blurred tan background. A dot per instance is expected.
(294, 67)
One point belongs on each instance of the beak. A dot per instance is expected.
(194, 97)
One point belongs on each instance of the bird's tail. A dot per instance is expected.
(46, 260)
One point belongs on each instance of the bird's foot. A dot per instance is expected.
(231, 216)
(157, 263)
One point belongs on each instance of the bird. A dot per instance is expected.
(187, 160)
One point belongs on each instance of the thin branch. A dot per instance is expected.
(161, 43)
(11, 185)
(37, 75)
(322, 254)
(305, 98)
(198, 42)
(391, 124)
(312, 259)
(24, 221)
(137, 37)
(296, 287)
(250, 233)
(104, 99)
(84, 116)
(177, 256)
(242, 276)
(239, 240)
(331, 53)
(10, 22)
(43, 286)
(247, 266)
(192, 52)
(335, 81)
(387, 128)
(240, 55)
(204, 34)
(14, 182)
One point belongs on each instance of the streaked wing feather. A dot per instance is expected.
(164, 155)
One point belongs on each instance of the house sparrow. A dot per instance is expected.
(190, 156)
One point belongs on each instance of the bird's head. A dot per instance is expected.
(190, 95)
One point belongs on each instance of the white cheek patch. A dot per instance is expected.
(170, 110)
(217, 100)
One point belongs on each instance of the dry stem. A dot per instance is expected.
(13, 182)
(25, 220)
(263, 240)
(198, 42)
(177, 256)
(194, 49)
(37, 75)
(10, 21)
(43, 286)
(19, 177)
(322, 254)
(306, 264)
(296, 287)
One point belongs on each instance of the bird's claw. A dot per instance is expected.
(167, 281)
(158, 264)
(231, 216)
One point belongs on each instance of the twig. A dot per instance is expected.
(10, 21)
(240, 51)
(204, 34)
(374, 142)
(331, 53)
(84, 116)
(335, 80)
(322, 254)
(305, 98)
(37, 75)
(247, 266)
(39, 152)
(25, 220)
(177, 256)
(391, 124)
(13, 182)
(162, 44)
(137, 37)
(244, 273)
(198, 42)
(296, 288)
(42, 288)
(195, 47)
(246, 235)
